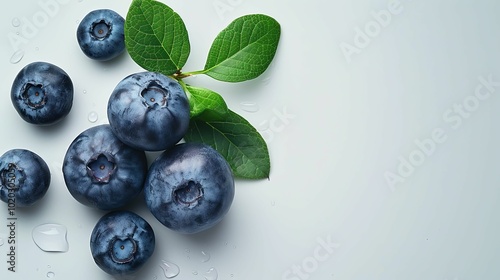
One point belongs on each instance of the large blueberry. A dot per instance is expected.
(100, 34)
(121, 242)
(42, 93)
(189, 188)
(25, 178)
(149, 111)
(101, 171)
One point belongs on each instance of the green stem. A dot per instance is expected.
(184, 86)
(199, 72)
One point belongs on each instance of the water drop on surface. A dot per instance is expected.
(1, 241)
(250, 107)
(170, 269)
(211, 274)
(195, 272)
(266, 81)
(204, 256)
(16, 22)
(51, 237)
(17, 56)
(50, 274)
(93, 117)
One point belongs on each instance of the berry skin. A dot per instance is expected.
(100, 34)
(189, 188)
(149, 111)
(42, 93)
(24, 177)
(121, 242)
(102, 172)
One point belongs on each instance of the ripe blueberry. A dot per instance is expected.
(121, 242)
(101, 171)
(24, 177)
(42, 93)
(149, 111)
(189, 188)
(100, 34)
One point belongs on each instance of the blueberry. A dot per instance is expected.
(149, 111)
(121, 242)
(101, 171)
(189, 188)
(25, 178)
(100, 34)
(42, 93)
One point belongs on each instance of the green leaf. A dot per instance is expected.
(156, 37)
(244, 49)
(206, 104)
(237, 140)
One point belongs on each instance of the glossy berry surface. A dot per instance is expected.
(189, 188)
(101, 171)
(100, 34)
(149, 111)
(24, 178)
(42, 93)
(121, 242)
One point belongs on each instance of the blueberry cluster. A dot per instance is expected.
(189, 188)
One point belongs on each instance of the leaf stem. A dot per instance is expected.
(192, 73)
(184, 87)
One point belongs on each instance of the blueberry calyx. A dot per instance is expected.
(122, 250)
(100, 167)
(13, 177)
(100, 30)
(189, 194)
(34, 95)
(155, 95)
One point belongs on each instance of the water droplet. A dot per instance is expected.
(263, 126)
(51, 237)
(204, 256)
(1, 241)
(17, 56)
(93, 117)
(250, 107)
(155, 277)
(187, 250)
(50, 274)
(195, 272)
(37, 48)
(170, 269)
(232, 275)
(211, 274)
(16, 22)
(273, 203)
(84, 91)
(266, 81)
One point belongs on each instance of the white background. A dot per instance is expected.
(343, 107)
